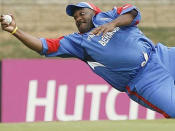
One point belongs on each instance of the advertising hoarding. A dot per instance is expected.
(62, 90)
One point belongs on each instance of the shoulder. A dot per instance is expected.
(102, 18)
(75, 38)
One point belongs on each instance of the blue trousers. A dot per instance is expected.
(154, 85)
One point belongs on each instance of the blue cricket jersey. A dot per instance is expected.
(116, 56)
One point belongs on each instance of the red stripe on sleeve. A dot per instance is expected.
(95, 8)
(126, 6)
(120, 9)
(137, 22)
(53, 44)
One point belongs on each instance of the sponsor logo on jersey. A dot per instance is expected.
(106, 38)
(104, 19)
(90, 36)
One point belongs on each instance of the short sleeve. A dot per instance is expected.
(117, 11)
(62, 47)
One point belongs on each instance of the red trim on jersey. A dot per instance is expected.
(53, 44)
(120, 9)
(147, 102)
(126, 6)
(137, 22)
(95, 8)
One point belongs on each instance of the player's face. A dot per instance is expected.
(83, 19)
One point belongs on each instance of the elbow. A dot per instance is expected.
(134, 13)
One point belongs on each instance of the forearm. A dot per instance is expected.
(29, 40)
(125, 19)
(122, 20)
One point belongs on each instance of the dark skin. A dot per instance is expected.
(83, 20)
(28, 40)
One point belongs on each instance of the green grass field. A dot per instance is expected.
(30, 18)
(128, 125)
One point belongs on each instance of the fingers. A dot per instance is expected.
(102, 30)
(106, 31)
(4, 26)
(12, 16)
(96, 30)
(99, 30)
(1, 18)
(3, 23)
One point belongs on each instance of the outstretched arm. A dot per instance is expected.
(27, 39)
(123, 20)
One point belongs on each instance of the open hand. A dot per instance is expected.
(109, 27)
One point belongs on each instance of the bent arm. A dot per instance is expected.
(126, 15)
(125, 19)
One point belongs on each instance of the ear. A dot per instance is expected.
(93, 12)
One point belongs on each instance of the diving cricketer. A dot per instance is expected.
(116, 50)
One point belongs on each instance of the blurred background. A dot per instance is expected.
(47, 18)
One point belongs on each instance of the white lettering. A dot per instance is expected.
(106, 38)
(110, 106)
(133, 110)
(90, 37)
(62, 100)
(96, 91)
(33, 101)
(150, 114)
